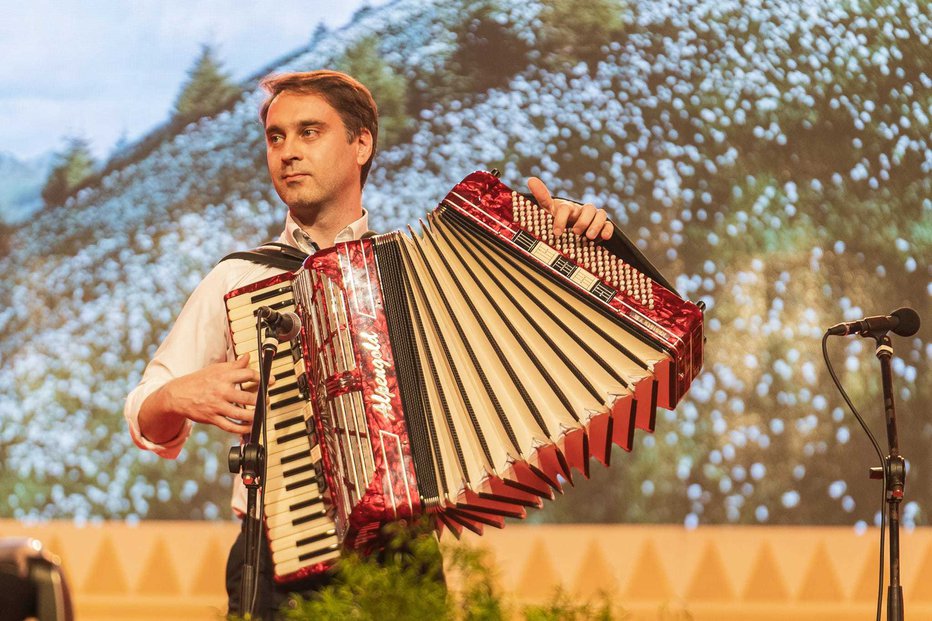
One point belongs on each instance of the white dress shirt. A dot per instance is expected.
(201, 337)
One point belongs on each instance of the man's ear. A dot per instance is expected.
(364, 148)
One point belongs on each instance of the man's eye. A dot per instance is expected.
(275, 139)
(310, 131)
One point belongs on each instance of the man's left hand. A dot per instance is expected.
(583, 219)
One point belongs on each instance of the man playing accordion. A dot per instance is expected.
(321, 131)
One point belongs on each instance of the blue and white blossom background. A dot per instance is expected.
(773, 158)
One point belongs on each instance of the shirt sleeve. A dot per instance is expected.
(198, 338)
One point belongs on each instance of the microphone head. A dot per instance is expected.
(289, 327)
(908, 321)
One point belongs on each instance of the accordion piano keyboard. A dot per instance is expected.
(299, 529)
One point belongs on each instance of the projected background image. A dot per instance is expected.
(773, 160)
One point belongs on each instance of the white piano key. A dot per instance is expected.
(279, 502)
(292, 565)
(288, 544)
(287, 529)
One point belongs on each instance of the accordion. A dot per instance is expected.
(462, 373)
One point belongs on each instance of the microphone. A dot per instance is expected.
(902, 321)
(285, 325)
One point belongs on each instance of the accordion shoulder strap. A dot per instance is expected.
(272, 254)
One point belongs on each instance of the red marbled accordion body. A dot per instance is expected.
(391, 491)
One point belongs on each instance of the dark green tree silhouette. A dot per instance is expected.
(207, 90)
(488, 52)
(575, 30)
(74, 164)
(388, 87)
(120, 146)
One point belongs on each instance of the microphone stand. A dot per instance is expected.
(893, 473)
(249, 460)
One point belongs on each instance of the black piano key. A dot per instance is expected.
(291, 436)
(282, 388)
(288, 401)
(298, 470)
(303, 387)
(265, 295)
(299, 484)
(297, 420)
(321, 479)
(304, 504)
(293, 457)
(309, 518)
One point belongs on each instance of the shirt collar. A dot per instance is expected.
(294, 235)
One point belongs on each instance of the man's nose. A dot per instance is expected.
(289, 151)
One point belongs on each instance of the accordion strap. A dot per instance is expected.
(272, 254)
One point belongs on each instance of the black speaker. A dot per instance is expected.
(32, 584)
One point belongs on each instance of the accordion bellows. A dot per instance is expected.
(463, 372)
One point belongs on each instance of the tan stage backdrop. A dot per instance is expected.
(174, 570)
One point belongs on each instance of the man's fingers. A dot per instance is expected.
(541, 193)
(242, 362)
(228, 425)
(243, 397)
(597, 222)
(250, 386)
(242, 376)
(607, 230)
(584, 219)
(243, 415)
(562, 213)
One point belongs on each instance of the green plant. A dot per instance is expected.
(406, 581)
(562, 607)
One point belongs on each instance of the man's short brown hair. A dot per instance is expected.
(349, 97)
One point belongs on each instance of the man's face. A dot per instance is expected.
(310, 160)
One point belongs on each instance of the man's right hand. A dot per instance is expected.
(211, 396)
